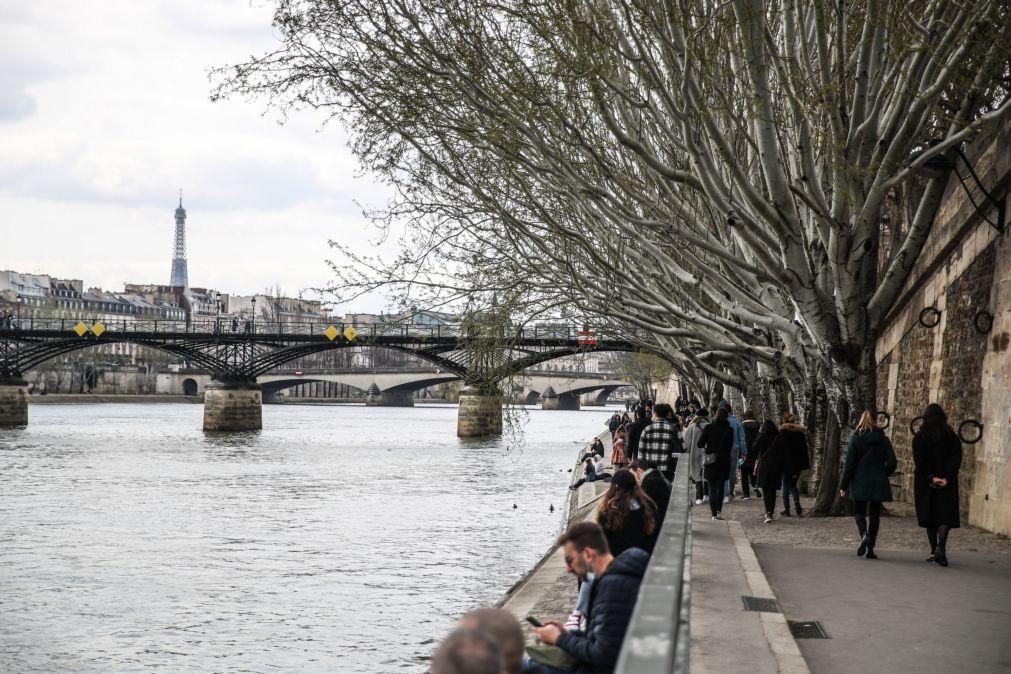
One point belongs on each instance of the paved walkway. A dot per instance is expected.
(897, 613)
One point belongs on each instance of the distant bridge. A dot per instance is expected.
(482, 357)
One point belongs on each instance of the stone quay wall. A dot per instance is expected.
(963, 283)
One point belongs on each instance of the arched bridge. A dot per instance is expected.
(482, 357)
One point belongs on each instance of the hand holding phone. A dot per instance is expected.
(534, 621)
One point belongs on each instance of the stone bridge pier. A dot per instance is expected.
(389, 398)
(13, 402)
(233, 404)
(550, 400)
(480, 412)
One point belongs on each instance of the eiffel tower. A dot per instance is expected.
(179, 275)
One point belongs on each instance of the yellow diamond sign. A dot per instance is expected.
(331, 333)
(98, 329)
(350, 333)
(80, 329)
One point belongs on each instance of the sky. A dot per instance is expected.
(105, 115)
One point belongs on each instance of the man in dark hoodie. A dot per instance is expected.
(635, 430)
(751, 427)
(611, 600)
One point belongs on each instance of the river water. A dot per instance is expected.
(339, 538)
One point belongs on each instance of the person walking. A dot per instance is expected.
(937, 458)
(627, 515)
(635, 430)
(717, 440)
(618, 457)
(870, 459)
(793, 440)
(738, 451)
(696, 454)
(747, 465)
(660, 442)
(768, 466)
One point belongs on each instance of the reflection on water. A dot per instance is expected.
(339, 538)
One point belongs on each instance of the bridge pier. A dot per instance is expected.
(394, 398)
(480, 413)
(13, 402)
(565, 401)
(233, 405)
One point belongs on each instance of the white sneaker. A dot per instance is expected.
(768, 520)
(698, 501)
(730, 498)
(705, 499)
(746, 498)
(716, 517)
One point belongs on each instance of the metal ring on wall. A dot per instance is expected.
(915, 424)
(983, 322)
(975, 424)
(933, 321)
(887, 417)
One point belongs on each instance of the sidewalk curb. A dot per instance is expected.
(777, 632)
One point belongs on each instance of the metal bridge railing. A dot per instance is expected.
(658, 635)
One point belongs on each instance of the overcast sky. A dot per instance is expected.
(105, 114)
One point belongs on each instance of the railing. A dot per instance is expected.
(240, 327)
(658, 635)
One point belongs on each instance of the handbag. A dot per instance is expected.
(552, 656)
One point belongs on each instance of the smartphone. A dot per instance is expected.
(534, 621)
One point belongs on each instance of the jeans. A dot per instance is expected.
(728, 487)
(715, 496)
(700, 489)
(790, 487)
(746, 480)
(859, 511)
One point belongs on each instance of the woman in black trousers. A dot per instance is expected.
(937, 457)
(869, 461)
(717, 438)
(768, 466)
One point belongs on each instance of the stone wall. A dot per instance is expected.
(962, 277)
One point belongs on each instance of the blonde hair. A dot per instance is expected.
(866, 422)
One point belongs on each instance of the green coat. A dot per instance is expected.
(869, 461)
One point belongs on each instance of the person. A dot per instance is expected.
(750, 426)
(615, 590)
(937, 458)
(635, 430)
(738, 451)
(791, 443)
(696, 454)
(768, 466)
(618, 458)
(656, 487)
(598, 447)
(627, 515)
(659, 442)
(467, 652)
(593, 470)
(503, 628)
(717, 440)
(869, 461)
(613, 423)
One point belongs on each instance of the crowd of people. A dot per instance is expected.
(609, 557)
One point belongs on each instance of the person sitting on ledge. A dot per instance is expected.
(613, 597)
(593, 470)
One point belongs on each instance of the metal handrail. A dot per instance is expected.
(658, 635)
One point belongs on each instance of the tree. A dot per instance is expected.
(713, 174)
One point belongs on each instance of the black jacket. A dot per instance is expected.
(791, 446)
(750, 435)
(937, 455)
(611, 602)
(635, 430)
(658, 489)
(717, 438)
(770, 463)
(631, 535)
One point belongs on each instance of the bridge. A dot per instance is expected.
(481, 357)
(396, 387)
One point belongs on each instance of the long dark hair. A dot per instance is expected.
(935, 423)
(617, 504)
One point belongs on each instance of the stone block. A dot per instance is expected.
(479, 415)
(233, 407)
(13, 402)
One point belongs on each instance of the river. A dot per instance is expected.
(340, 538)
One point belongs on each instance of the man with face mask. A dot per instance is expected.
(612, 598)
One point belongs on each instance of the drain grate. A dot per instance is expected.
(760, 604)
(803, 629)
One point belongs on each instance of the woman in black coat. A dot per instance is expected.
(768, 466)
(869, 461)
(716, 440)
(627, 515)
(791, 443)
(937, 457)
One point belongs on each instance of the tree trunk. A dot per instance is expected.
(828, 469)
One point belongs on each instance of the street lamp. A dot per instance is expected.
(253, 323)
(20, 302)
(217, 311)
